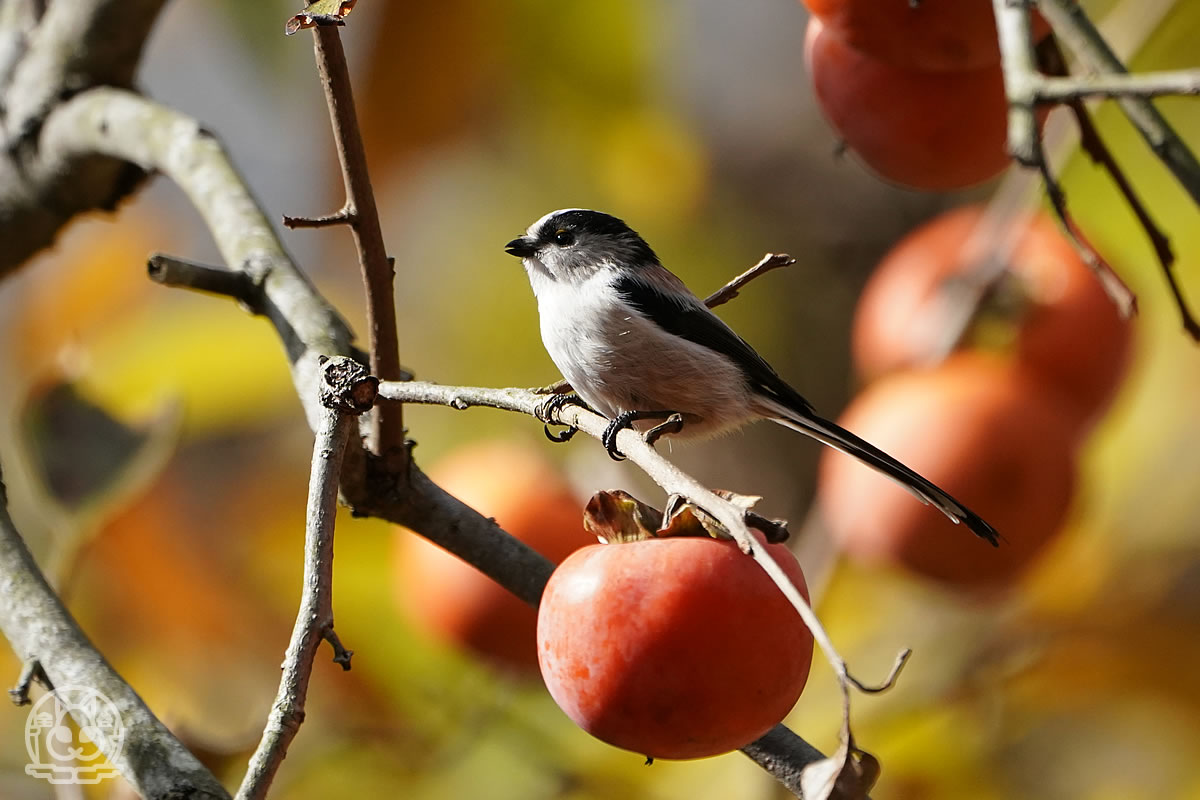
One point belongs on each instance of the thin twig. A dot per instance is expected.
(1054, 63)
(1112, 284)
(171, 271)
(1073, 27)
(1014, 26)
(314, 620)
(75, 45)
(387, 436)
(340, 217)
(126, 125)
(1021, 81)
(1184, 82)
(730, 290)
(1094, 146)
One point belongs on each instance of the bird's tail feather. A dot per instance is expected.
(841, 439)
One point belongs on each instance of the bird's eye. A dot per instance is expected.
(564, 238)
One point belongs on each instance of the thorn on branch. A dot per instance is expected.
(32, 671)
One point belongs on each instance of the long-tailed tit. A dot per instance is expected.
(635, 343)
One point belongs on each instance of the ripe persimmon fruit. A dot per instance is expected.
(674, 648)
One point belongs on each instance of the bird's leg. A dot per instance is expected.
(626, 419)
(549, 406)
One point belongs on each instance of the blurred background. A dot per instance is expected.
(157, 458)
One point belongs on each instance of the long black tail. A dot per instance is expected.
(839, 438)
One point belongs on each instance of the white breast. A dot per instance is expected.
(617, 361)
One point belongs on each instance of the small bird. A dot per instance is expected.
(636, 344)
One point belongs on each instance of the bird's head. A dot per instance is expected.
(575, 243)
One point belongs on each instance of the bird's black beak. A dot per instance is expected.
(521, 247)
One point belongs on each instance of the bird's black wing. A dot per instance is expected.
(695, 323)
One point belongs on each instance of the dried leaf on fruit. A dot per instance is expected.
(620, 517)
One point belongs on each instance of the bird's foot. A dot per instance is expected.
(673, 424)
(546, 410)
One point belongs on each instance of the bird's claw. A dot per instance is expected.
(673, 424)
(609, 437)
(565, 435)
(546, 410)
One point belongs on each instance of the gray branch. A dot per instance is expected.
(1026, 86)
(73, 46)
(1184, 82)
(314, 621)
(1073, 27)
(125, 125)
(386, 434)
(41, 630)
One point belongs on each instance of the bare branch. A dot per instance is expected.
(1021, 83)
(1073, 27)
(1094, 146)
(127, 126)
(1182, 82)
(1116, 289)
(1014, 25)
(314, 621)
(171, 271)
(73, 46)
(340, 217)
(730, 290)
(386, 436)
(41, 630)
(784, 755)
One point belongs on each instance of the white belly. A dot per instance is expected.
(619, 362)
